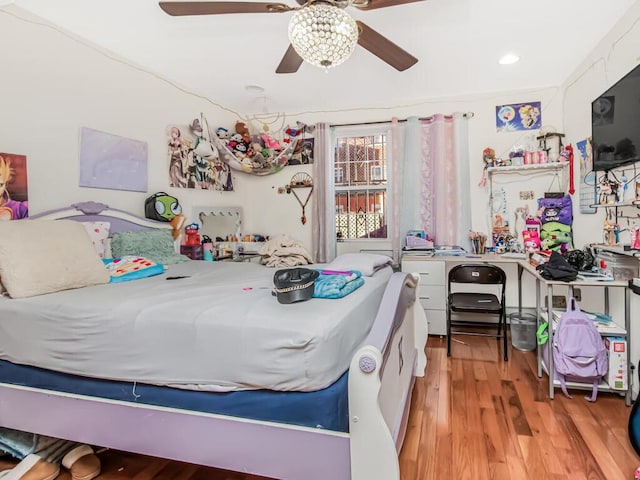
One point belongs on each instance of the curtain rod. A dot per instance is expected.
(464, 115)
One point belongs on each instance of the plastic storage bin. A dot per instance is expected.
(617, 266)
(523, 331)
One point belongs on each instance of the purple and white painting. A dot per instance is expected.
(113, 162)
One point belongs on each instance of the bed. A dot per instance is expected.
(376, 390)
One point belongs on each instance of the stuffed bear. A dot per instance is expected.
(241, 128)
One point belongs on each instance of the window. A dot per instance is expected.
(361, 183)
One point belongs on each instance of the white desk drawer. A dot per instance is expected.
(431, 272)
(437, 322)
(433, 296)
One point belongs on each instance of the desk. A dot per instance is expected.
(432, 293)
(548, 314)
(433, 282)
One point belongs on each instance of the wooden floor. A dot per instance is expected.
(473, 417)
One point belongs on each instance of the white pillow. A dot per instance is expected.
(98, 233)
(44, 256)
(365, 263)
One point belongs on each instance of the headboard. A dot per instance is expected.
(120, 221)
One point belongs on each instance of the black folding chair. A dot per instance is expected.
(476, 302)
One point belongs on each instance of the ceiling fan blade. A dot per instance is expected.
(291, 61)
(178, 9)
(374, 4)
(384, 48)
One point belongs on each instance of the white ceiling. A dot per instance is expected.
(457, 43)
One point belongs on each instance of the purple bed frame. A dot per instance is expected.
(381, 379)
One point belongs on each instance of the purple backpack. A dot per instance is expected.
(579, 353)
(556, 210)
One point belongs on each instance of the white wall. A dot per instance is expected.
(615, 55)
(52, 84)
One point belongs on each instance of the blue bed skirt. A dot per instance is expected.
(326, 409)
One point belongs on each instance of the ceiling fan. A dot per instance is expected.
(368, 38)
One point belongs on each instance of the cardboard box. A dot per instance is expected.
(617, 376)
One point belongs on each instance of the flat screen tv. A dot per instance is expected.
(615, 124)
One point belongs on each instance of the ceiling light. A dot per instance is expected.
(509, 59)
(323, 35)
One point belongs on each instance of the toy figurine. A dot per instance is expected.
(489, 159)
(193, 237)
(609, 231)
(635, 237)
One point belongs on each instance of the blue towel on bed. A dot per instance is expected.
(337, 285)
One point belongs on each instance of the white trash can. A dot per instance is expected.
(523, 331)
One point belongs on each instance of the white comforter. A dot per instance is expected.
(219, 329)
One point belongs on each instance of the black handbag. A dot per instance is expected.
(557, 268)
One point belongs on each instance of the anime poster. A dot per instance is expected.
(518, 116)
(587, 187)
(303, 152)
(13, 186)
(112, 162)
(194, 162)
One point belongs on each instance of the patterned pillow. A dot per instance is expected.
(98, 233)
(156, 245)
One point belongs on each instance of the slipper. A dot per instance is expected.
(32, 467)
(82, 463)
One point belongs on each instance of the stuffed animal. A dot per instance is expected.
(191, 232)
(271, 143)
(223, 134)
(240, 149)
(241, 128)
(291, 133)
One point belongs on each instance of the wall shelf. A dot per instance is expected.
(633, 203)
(553, 166)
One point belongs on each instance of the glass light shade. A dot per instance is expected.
(323, 35)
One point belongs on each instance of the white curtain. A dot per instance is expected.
(322, 211)
(405, 168)
(432, 187)
(446, 203)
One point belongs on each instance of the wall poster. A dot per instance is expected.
(303, 152)
(193, 161)
(519, 116)
(112, 162)
(13, 186)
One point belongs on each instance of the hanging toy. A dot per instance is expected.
(489, 159)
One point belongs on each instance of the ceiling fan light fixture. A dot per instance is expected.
(323, 35)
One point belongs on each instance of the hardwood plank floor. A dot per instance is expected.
(473, 417)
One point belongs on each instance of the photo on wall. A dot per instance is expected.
(519, 116)
(13, 187)
(194, 162)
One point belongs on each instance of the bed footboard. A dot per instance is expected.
(381, 380)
